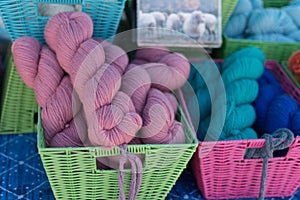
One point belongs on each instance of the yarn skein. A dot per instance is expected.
(39, 69)
(240, 72)
(160, 126)
(170, 70)
(264, 24)
(250, 52)
(279, 113)
(274, 108)
(110, 113)
(136, 84)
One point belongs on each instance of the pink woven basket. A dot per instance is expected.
(222, 171)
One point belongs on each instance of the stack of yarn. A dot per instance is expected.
(251, 21)
(240, 72)
(275, 109)
(91, 95)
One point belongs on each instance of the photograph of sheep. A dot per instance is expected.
(179, 23)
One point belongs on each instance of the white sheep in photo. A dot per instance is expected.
(194, 25)
(183, 16)
(211, 23)
(146, 20)
(174, 22)
(160, 18)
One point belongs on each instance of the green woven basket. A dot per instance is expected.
(73, 174)
(273, 50)
(18, 104)
(290, 74)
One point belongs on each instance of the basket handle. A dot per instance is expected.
(281, 139)
(136, 168)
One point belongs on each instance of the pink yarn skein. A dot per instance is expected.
(160, 126)
(110, 113)
(136, 83)
(39, 69)
(168, 71)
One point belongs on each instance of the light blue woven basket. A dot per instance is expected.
(21, 17)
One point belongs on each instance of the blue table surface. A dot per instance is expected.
(23, 176)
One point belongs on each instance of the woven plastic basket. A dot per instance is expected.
(21, 17)
(273, 50)
(73, 174)
(222, 171)
(290, 74)
(19, 107)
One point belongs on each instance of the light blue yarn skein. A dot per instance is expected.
(293, 12)
(257, 4)
(268, 21)
(271, 38)
(236, 25)
(242, 7)
(295, 35)
(294, 3)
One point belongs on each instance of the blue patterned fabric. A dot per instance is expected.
(22, 175)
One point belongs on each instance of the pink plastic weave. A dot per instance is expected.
(222, 171)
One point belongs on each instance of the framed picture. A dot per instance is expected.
(181, 23)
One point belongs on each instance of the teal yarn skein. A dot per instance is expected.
(242, 68)
(204, 101)
(240, 72)
(247, 133)
(243, 91)
(249, 52)
(239, 118)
